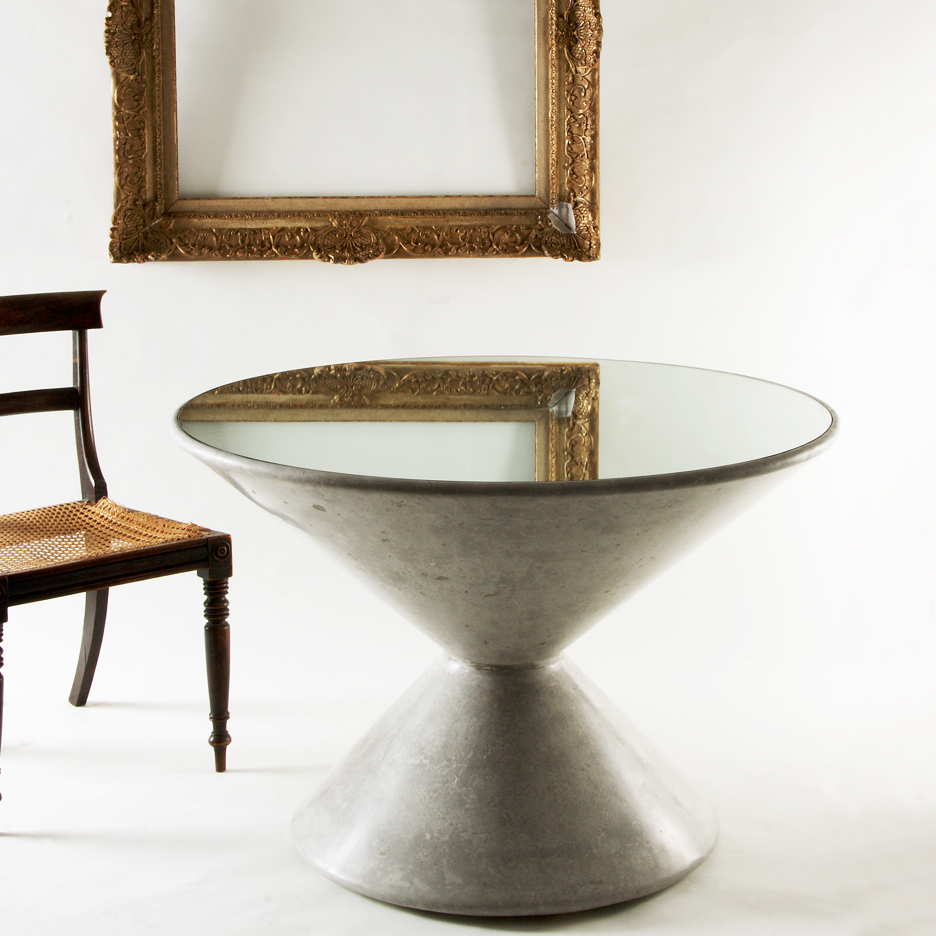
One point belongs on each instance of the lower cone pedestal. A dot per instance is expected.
(504, 791)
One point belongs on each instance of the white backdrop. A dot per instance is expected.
(768, 202)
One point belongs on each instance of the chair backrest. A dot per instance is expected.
(75, 312)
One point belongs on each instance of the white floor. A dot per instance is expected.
(112, 821)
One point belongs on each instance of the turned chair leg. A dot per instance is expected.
(218, 658)
(3, 613)
(3, 618)
(91, 638)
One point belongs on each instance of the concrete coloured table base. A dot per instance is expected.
(501, 783)
(504, 791)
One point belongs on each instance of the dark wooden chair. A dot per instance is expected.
(93, 544)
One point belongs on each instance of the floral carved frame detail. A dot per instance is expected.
(560, 398)
(151, 222)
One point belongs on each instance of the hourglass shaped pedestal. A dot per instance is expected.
(503, 782)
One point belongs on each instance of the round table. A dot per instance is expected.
(504, 507)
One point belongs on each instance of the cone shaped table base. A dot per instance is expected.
(504, 786)
(500, 791)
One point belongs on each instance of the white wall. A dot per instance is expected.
(768, 202)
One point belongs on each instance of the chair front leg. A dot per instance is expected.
(91, 639)
(218, 658)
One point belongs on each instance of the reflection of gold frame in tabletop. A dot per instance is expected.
(560, 398)
(151, 221)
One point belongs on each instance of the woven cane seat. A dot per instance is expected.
(34, 539)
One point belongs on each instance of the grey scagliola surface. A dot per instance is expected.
(500, 784)
(492, 792)
(496, 573)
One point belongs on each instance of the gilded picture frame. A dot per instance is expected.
(151, 221)
(560, 398)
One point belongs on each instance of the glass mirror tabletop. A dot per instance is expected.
(652, 419)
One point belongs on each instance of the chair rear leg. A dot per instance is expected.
(218, 658)
(91, 638)
(2, 622)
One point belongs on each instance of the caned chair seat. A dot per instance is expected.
(34, 539)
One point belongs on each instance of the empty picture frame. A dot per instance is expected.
(560, 398)
(152, 222)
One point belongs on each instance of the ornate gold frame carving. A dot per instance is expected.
(151, 222)
(561, 398)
